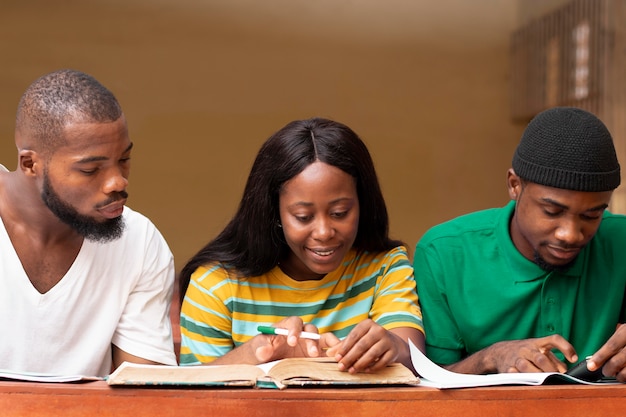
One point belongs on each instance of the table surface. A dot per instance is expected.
(98, 399)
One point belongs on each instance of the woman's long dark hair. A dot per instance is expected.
(252, 243)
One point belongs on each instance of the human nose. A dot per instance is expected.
(116, 181)
(570, 232)
(323, 229)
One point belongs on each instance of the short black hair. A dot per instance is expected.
(58, 98)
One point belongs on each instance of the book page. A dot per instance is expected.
(433, 375)
(304, 371)
(138, 374)
(278, 374)
(42, 377)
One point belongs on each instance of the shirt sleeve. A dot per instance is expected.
(145, 328)
(206, 301)
(443, 341)
(396, 303)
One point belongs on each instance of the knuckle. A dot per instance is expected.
(519, 364)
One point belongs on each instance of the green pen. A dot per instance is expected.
(284, 332)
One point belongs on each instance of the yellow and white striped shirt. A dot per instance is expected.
(221, 311)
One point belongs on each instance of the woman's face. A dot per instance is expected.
(319, 213)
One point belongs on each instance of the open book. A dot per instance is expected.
(432, 375)
(277, 374)
(42, 377)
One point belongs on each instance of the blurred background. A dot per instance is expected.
(440, 91)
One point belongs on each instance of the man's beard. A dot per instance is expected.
(86, 226)
(548, 267)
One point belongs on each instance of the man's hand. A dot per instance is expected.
(533, 355)
(611, 356)
(527, 355)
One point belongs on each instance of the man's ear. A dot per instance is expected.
(514, 184)
(29, 162)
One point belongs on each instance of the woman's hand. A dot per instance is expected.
(273, 347)
(369, 347)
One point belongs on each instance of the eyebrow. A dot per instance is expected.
(308, 204)
(101, 158)
(563, 206)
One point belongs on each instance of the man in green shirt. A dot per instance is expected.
(541, 281)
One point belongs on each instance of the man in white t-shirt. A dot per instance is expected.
(85, 282)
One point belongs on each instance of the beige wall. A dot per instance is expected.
(205, 82)
(528, 10)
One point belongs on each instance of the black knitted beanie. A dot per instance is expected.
(568, 148)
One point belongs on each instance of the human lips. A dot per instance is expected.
(113, 210)
(564, 253)
(323, 252)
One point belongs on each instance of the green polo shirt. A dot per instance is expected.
(475, 288)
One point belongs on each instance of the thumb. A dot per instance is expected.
(330, 344)
(264, 353)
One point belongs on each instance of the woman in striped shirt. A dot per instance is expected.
(307, 250)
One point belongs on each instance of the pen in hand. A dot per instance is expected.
(284, 332)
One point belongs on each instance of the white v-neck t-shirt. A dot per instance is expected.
(117, 292)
